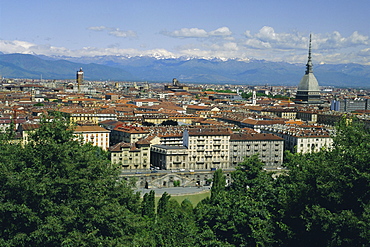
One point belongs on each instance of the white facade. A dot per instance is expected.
(302, 140)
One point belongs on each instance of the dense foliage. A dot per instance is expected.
(54, 191)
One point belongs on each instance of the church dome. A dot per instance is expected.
(308, 83)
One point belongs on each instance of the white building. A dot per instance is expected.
(302, 140)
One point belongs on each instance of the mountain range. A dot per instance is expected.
(186, 70)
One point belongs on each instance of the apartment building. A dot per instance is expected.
(282, 113)
(350, 105)
(169, 135)
(96, 135)
(169, 157)
(80, 115)
(258, 124)
(131, 156)
(269, 147)
(128, 134)
(207, 147)
(309, 116)
(302, 139)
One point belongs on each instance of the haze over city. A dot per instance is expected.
(269, 30)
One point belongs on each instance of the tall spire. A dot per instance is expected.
(309, 62)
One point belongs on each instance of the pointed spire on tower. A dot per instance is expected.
(309, 62)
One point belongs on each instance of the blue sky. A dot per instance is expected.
(264, 29)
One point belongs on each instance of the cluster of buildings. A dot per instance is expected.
(193, 128)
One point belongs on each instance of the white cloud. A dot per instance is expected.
(115, 31)
(222, 31)
(254, 43)
(124, 34)
(198, 33)
(15, 46)
(268, 38)
(48, 50)
(187, 33)
(98, 28)
(364, 52)
(335, 40)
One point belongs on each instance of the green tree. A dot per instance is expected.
(325, 197)
(57, 192)
(239, 215)
(176, 227)
(187, 206)
(148, 204)
(163, 204)
(219, 183)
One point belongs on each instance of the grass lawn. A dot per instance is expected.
(193, 198)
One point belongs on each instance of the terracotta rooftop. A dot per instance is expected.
(90, 129)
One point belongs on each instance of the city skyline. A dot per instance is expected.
(269, 30)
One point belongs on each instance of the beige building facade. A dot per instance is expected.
(208, 148)
(131, 156)
(169, 157)
(96, 135)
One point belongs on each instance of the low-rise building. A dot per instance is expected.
(169, 157)
(131, 156)
(96, 135)
(282, 112)
(309, 116)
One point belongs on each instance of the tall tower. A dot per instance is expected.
(254, 98)
(79, 78)
(308, 89)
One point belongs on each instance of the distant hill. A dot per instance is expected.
(191, 70)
